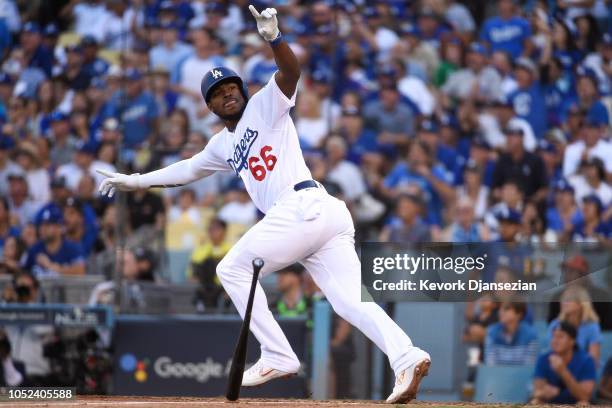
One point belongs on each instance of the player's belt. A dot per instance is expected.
(305, 184)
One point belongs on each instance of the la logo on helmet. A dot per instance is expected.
(216, 73)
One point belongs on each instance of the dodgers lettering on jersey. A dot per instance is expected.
(264, 150)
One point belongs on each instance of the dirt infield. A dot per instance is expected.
(177, 402)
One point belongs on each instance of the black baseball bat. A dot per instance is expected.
(239, 359)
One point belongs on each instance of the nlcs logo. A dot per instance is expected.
(129, 363)
(216, 73)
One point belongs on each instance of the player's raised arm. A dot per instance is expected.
(288, 67)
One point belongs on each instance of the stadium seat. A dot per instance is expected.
(508, 384)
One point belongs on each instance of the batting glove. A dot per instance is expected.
(119, 181)
(267, 24)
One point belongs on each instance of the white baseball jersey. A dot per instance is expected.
(263, 150)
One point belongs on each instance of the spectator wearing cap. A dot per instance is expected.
(406, 223)
(137, 109)
(392, 119)
(226, 19)
(64, 142)
(481, 155)
(494, 122)
(375, 32)
(511, 197)
(476, 81)
(590, 144)
(507, 31)
(238, 207)
(35, 53)
(50, 38)
(84, 162)
(261, 70)
(76, 76)
(360, 140)
(522, 166)
(592, 180)
(551, 156)
(321, 81)
(592, 227)
(122, 22)
(429, 133)
(77, 230)
(53, 255)
(558, 86)
(421, 59)
(461, 20)
(413, 89)
(451, 53)
(28, 157)
(165, 97)
(170, 52)
(577, 309)
(528, 99)
(7, 166)
(419, 173)
(93, 65)
(566, 374)
(588, 98)
(565, 213)
(21, 205)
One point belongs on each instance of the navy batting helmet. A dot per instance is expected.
(217, 76)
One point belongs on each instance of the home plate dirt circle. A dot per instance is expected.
(95, 401)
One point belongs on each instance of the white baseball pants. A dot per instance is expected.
(311, 227)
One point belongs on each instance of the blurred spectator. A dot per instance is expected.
(390, 118)
(565, 213)
(511, 198)
(464, 227)
(28, 157)
(342, 171)
(577, 310)
(77, 230)
(311, 125)
(591, 180)
(137, 109)
(145, 209)
(291, 301)
(508, 31)
(77, 77)
(238, 207)
(566, 374)
(204, 260)
(83, 162)
(53, 255)
(592, 227)
(93, 66)
(132, 297)
(28, 342)
(7, 166)
(524, 167)
(170, 52)
(591, 144)
(528, 99)
(511, 341)
(406, 225)
(64, 142)
(474, 190)
(21, 205)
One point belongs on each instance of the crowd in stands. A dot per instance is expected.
(435, 120)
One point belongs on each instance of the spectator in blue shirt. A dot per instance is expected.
(37, 55)
(507, 32)
(93, 65)
(587, 98)
(170, 51)
(53, 255)
(577, 309)
(6, 229)
(561, 217)
(566, 374)
(78, 231)
(139, 113)
(528, 99)
(511, 341)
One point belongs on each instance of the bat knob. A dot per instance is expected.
(258, 263)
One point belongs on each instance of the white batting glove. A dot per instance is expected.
(114, 181)
(267, 24)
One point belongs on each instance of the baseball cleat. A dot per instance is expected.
(259, 374)
(407, 382)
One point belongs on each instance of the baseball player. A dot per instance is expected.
(302, 222)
